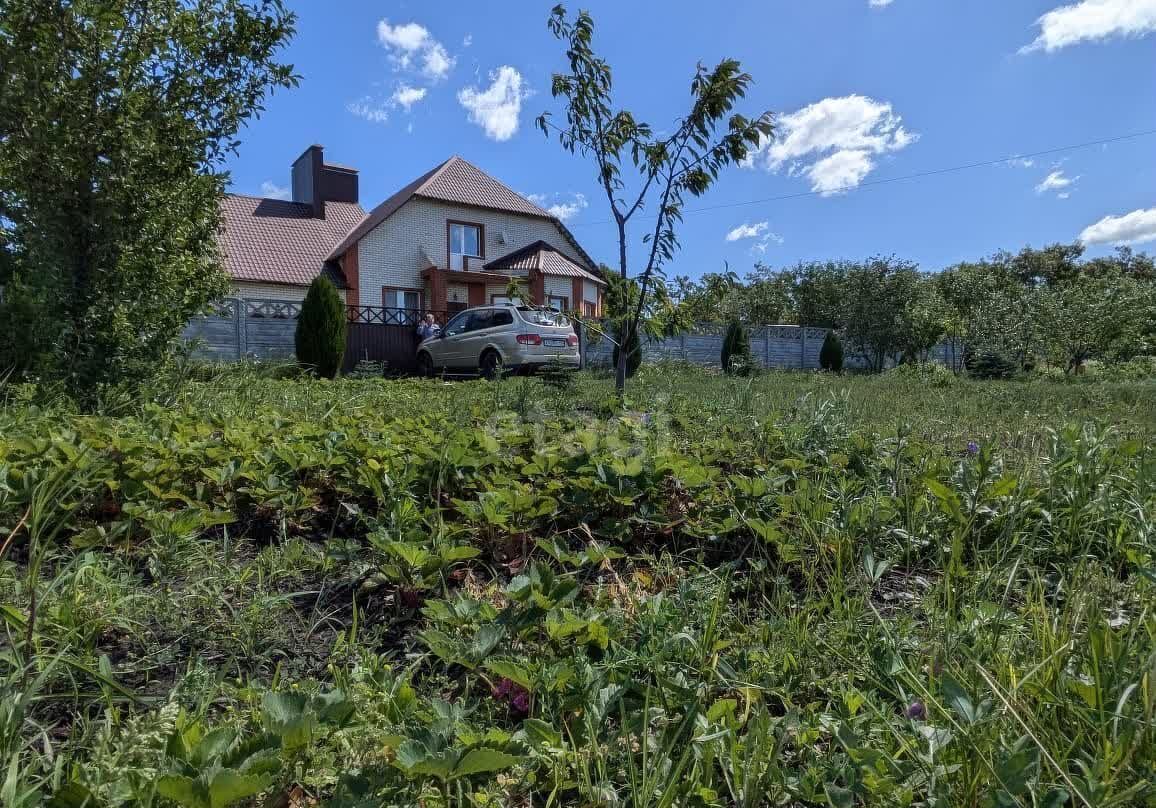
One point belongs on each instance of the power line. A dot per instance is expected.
(918, 175)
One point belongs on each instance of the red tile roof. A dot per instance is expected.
(543, 257)
(275, 241)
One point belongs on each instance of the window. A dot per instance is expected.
(589, 308)
(502, 318)
(459, 324)
(465, 242)
(558, 303)
(405, 304)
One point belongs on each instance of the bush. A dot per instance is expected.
(990, 364)
(831, 354)
(633, 355)
(931, 374)
(320, 337)
(736, 350)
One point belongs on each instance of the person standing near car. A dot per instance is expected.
(427, 328)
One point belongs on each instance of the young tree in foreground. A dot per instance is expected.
(116, 117)
(320, 335)
(686, 161)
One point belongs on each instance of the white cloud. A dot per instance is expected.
(566, 210)
(409, 41)
(271, 190)
(1136, 227)
(834, 141)
(561, 209)
(745, 230)
(1021, 162)
(1055, 181)
(840, 172)
(760, 247)
(366, 108)
(467, 40)
(1093, 20)
(879, 3)
(407, 96)
(496, 108)
(436, 62)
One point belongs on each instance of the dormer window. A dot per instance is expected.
(466, 241)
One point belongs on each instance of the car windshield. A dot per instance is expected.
(542, 316)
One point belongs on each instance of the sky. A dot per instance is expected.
(865, 94)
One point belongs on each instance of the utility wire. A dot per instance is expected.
(915, 176)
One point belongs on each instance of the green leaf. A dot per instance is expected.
(73, 795)
(184, 791)
(228, 787)
(213, 746)
(478, 761)
(839, 797)
(539, 733)
(960, 701)
(512, 671)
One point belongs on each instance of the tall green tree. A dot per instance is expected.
(116, 117)
(665, 167)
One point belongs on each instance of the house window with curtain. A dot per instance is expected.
(558, 302)
(403, 306)
(465, 243)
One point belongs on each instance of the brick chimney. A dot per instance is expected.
(315, 182)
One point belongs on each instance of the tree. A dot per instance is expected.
(923, 320)
(819, 290)
(877, 293)
(320, 335)
(1093, 317)
(736, 349)
(686, 161)
(116, 117)
(831, 353)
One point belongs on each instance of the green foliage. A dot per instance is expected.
(736, 350)
(632, 346)
(831, 353)
(116, 120)
(321, 327)
(685, 159)
(750, 594)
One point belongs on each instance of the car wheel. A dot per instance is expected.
(425, 365)
(490, 365)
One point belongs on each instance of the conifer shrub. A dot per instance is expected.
(320, 336)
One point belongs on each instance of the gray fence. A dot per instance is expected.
(245, 329)
(773, 346)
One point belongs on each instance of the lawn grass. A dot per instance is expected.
(795, 589)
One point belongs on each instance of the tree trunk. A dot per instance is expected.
(624, 335)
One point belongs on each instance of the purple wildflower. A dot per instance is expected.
(521, 703)
(972, 448)
(916, 711)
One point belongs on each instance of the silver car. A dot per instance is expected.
(493, 339)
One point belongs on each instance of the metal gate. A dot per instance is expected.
(385, 335)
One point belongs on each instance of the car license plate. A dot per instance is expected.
(554, 343)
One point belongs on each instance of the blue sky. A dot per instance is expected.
(863, 91)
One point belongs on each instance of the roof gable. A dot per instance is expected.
(545, 258)
(459, 182)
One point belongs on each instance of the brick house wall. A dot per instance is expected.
(391, 255)
(269, 291)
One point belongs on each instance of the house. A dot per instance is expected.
(452, 238)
